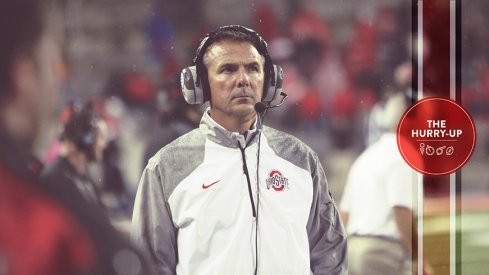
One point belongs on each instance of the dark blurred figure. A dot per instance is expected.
(44, 228)
(308, 56)
(175, 118)
(114, 185)
(83, 139)
(402, 76)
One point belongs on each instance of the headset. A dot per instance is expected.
(193, 79)
(80, 127)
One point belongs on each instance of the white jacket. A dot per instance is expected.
(194, 214)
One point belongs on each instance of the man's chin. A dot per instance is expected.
(243, 110)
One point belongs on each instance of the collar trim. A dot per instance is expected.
(218, 134)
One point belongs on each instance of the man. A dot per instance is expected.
(377, 204)
(233, 196)
(44, 228)
(83, 140)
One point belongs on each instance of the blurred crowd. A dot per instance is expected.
(336, 73)
(339, 69)
(341, 62)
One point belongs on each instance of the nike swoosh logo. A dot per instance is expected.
(207, 186)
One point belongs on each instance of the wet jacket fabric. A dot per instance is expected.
(210, 200)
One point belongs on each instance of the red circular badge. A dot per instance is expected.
(436, 136)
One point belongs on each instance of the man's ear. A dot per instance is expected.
(23, 77)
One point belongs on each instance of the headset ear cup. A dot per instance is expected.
(192, 92)
(88, 139)
(275, 84)
(86, 143)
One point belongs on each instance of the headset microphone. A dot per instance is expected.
(261, 107)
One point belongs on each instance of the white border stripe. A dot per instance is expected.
(419, 48)
(453, 195)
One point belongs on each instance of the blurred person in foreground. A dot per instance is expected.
(377, 205)
(235, 196)
(83, 139)
(44, 228)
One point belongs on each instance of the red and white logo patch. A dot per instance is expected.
(277, 181)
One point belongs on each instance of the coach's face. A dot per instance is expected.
(236, 75)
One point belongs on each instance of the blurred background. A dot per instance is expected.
(341, 60)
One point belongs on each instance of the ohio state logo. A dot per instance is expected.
(277, 181)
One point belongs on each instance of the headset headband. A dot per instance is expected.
(195, 86)
(260, 44)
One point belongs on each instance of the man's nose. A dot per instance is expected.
(243, 78)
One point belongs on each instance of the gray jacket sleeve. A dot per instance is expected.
(327, 237)
(152, 225)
